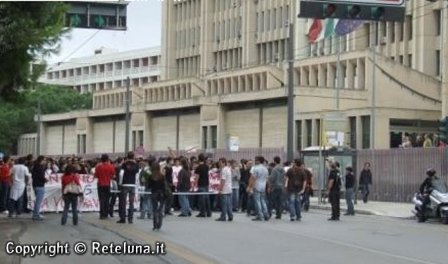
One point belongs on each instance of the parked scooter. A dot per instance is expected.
(437, 205)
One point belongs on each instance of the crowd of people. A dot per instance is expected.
(421, 141)
(259, 188)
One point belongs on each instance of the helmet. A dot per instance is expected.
(430, 172)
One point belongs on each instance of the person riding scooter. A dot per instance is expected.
(426, 189)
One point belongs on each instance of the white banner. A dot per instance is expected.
(89, 202)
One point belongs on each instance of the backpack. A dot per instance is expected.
(72, 188)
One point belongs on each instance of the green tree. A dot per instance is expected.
(28, 31)
(17, 117)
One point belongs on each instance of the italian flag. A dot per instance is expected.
(321, 29)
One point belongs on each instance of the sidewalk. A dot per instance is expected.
(398, 210)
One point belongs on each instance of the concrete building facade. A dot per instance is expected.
(224, 75)
(107, 69)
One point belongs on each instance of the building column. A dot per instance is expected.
(313, 132)
(382, 131)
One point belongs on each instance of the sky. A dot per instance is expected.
(144, 30)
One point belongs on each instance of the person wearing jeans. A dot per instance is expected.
(5, 182)
(38, 176)
(202, 181)
(257, 185)
(183, 186)
(349, 185)
(225, 191)
(277, 183)
(70, 199)
(364, 181)
(295, 185)
(236, 176)
(127, 183)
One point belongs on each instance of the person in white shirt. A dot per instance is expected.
(225, 190)
(20, 177)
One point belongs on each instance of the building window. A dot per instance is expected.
(82, 144)
(365, 123)
(352, 121)
(137, 139)
(214, 136)
(204, 137)
(409, 26)
(401, 59)
(438, 21)
(410, 60)
(308, 125)
(318, 135)
(299, 135)
(438, 63)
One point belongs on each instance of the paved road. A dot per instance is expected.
(359, 239)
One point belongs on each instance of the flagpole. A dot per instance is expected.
(338, 71)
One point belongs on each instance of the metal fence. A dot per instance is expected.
(398, 173)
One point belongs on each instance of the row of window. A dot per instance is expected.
(325, 75)
(168, 93)
(228, 29)
(272, 19)
(94, 87)
(237, 84)
(188, 66)
(107, 67)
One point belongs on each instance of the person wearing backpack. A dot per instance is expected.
(295, 186)
(334, 188)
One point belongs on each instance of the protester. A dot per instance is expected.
(349, 187)
(20, 177)
(183, 186)
(168, 169)
(244, 183)
(257, 186)
(104, 171)
(295, 186)
(127, 182)
(277, 184)
(158, 187)
(145, 198)
(39, 180)
(236, 176)
(114, 187)
(308, 188)
(5, 183)
(71, 190)
(203, 182)
(225, 190)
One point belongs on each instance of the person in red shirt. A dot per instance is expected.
(5, 182)
(104, 171)
(70, 199)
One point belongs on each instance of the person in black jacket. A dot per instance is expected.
(425, 191)
(364, 181)
(334, 188)
(169, 180)
(183, 186)
(38, 176)
(157, 184)
(127, 183)
(349, 185)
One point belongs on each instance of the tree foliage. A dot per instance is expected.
(17, 116)
(28, 30)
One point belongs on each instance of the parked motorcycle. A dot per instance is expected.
(438, 203)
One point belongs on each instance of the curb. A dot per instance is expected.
(361, 212)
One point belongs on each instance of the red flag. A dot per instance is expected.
(315, 30)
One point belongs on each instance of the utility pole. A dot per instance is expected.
(290, 127)
(127, 103)
(338, 72)
(39, 122)
(373, 114)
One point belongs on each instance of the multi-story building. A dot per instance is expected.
(224, 75)
(107, 69)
